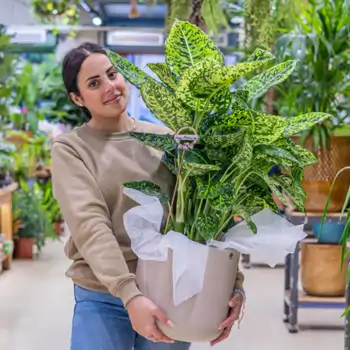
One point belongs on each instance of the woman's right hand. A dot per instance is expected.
(143, 314)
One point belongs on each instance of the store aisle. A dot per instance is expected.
(36, 306)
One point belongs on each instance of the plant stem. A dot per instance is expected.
(222, 227)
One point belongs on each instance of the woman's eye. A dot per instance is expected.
(93, 84)
(112, 75)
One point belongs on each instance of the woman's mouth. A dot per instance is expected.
(113, 99)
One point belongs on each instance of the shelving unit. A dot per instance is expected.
(6, 219)
(294, 299)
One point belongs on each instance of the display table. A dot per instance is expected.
(6, 219)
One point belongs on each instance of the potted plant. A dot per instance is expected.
(320, 42)
(220, 152)
(6, 165)
(33, 223)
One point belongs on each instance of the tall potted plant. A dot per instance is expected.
(220, 153)
(320, 42)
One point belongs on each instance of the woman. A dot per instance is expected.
(89, 166)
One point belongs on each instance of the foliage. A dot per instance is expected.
(226, 173)
(346, 232)
(65, 12)
(7, 76)
(33, 221)
(320, 83)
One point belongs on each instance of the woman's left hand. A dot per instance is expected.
(235, 304)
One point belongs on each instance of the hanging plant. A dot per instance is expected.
(58, 12)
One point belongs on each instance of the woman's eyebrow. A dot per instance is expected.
(97, 76)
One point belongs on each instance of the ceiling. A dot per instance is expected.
(116, 13)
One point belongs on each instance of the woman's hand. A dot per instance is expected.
(235, 304)
(143, 314)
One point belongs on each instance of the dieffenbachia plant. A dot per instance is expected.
(226, 173)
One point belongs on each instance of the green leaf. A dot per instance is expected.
(242, 212)
(209, 77)
(224, 136)
(184, 91)
(261, 83)
(239, 117)
(267, 128)
(275, 155)
(187, 45)
(304, 157)
(244, 155)
(221, 155)
(275, 187)
(165, 106)
(303, 122)
(161, 142)
(206, 225)
(130, 72)
(149, 189)
(225, 202)
(164, 74)
(198, 169)
(293, 188)
(258, 199)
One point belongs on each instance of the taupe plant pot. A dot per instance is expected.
(198, 318)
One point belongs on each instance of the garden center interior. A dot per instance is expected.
(301, 303)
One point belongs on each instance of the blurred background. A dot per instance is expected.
(300, 304)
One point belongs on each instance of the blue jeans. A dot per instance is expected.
(101, 322)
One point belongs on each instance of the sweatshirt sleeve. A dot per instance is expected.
(87, 215)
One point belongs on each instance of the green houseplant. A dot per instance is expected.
(226, 173)
(320, 41)
(220, 152)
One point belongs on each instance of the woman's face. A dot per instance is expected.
(103, 90)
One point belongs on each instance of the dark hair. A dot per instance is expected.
(72, 63)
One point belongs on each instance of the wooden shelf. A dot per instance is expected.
(309, 302)
(6, 219)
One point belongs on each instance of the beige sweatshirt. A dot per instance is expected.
(89, 168)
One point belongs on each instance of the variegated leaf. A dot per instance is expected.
(239, 117)
(165, 106)
(225, 202)
(279, 155)
(148, 188)
(163, 73)
(187, 45)
(293, 188)
(165, 143)
(275, 188)
(259, 199)
(244, 153)
(267, 128)
(207, 225)
(243, 213)
(194, 169)
(304, 122)
(259, 55)
(224, 136)
(130, 72)
(195, 163)
(305, 157)
(221, 155)
(184, 91)
(209, 78)
(169, 161)
(261, 83)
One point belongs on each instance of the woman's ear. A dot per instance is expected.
(76, 99)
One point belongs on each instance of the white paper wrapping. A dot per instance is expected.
(276, 237)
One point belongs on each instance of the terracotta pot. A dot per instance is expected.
(58, 228)
(24, 248)
(196, 319)
(318, 178)
(321, 274)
